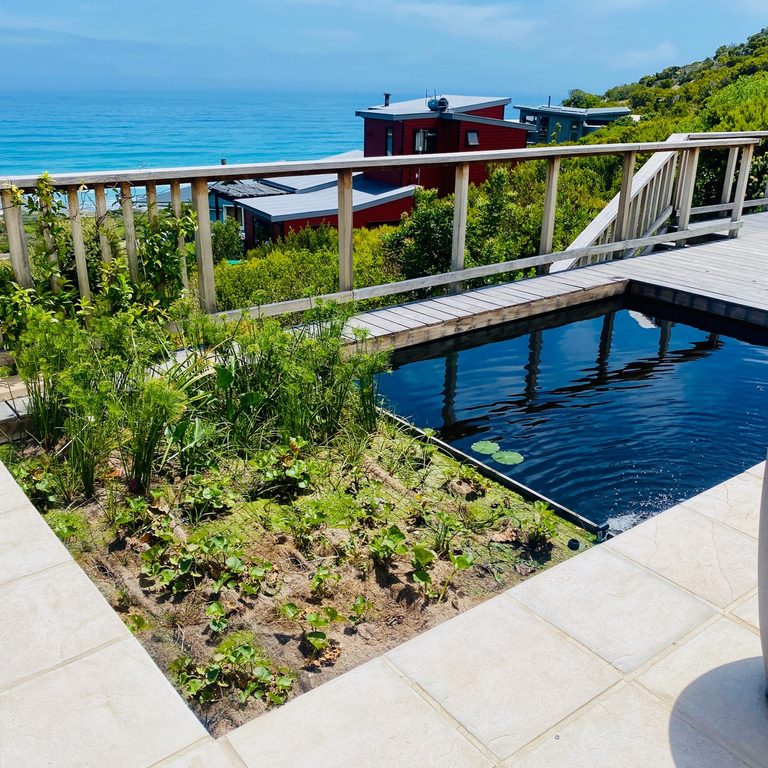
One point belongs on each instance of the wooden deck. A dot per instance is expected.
(727, 277)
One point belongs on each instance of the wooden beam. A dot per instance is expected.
(101, 221)
(131, 252)
(625, 197)
(346, 229)
(460, 197)
(182, 245)
(78, 243)
(141, 176)
(14, 229)
(204, 246)
(687, 184)
(741, 188)
(730, 169)
(151, 189)
(550, 208)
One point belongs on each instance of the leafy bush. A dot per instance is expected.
(226, 242)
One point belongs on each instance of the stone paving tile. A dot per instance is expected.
(212, 754)
(111, 708)
(54, 616)
(749, 611)
(694, 551)
(614, 607)
(716, 681)
(367, 717)
(27, 544)
(626, 728)
(11, 496)
(504, 674)
(758, 469)
(736, 502)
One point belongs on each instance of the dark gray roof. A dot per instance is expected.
(366, 193)
(238, 188)
(558, 109)
(414, 108)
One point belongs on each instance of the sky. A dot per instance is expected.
(483, 47)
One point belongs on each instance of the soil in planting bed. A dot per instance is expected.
(259, 580)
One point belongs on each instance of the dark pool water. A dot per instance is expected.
(619, 414)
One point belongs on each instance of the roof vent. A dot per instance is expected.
(387, 97)
(438, 105)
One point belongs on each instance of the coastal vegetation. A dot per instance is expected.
(246, 508)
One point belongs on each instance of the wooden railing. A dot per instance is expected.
(661, 196)
(663, 186)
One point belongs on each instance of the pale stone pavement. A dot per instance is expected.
(643, 651)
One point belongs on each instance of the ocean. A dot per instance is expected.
(91, 130)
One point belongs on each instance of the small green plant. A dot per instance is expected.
(238, 667)
(323, 580)
(460, 562)
(136, 623)
(386, 545)
(422, 559)
(217, 617)
(313, 625)
(541, 529)
(358, 610)
(280, 470)
(68, 525)
(206, 497)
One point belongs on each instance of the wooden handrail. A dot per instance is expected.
(629, 222)
(142, 176)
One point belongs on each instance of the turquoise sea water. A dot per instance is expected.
(80, 131)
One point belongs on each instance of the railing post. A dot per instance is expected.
(741, 187)
(78, 244)
(182, 245)
(151, 189)
(730, 169)
(460, 196)
(126, 203)
(687, 186)
(203, 246)
(621, 231)
(550, 208)
(346, 229)
(101, 220)
(14, 228)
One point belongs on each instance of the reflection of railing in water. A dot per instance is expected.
(530, 401)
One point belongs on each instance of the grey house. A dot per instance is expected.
(557, 123)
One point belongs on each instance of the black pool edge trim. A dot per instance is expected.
(600, 530)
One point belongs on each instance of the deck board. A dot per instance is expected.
(724, 276)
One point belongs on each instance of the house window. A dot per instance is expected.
(389, 142)
(425, 141)
(473, 139)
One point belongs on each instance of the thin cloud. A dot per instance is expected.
(658, 55)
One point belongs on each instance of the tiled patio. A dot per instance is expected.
(641, 652)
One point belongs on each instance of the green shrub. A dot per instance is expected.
(226, 241)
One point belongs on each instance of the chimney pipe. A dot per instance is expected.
(549, 101)
(223, 160)
(387, 96)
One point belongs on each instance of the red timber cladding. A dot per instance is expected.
(495, 113)
(451, 138)
(386, 213)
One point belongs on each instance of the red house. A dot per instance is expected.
(381, 196)
(444, 124)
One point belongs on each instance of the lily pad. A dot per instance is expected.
(508, 457)
(486, 447)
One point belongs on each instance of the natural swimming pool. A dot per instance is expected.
(619, 410)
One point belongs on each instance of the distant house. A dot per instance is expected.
(558, 123)
(269, 208)
(445, 124)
